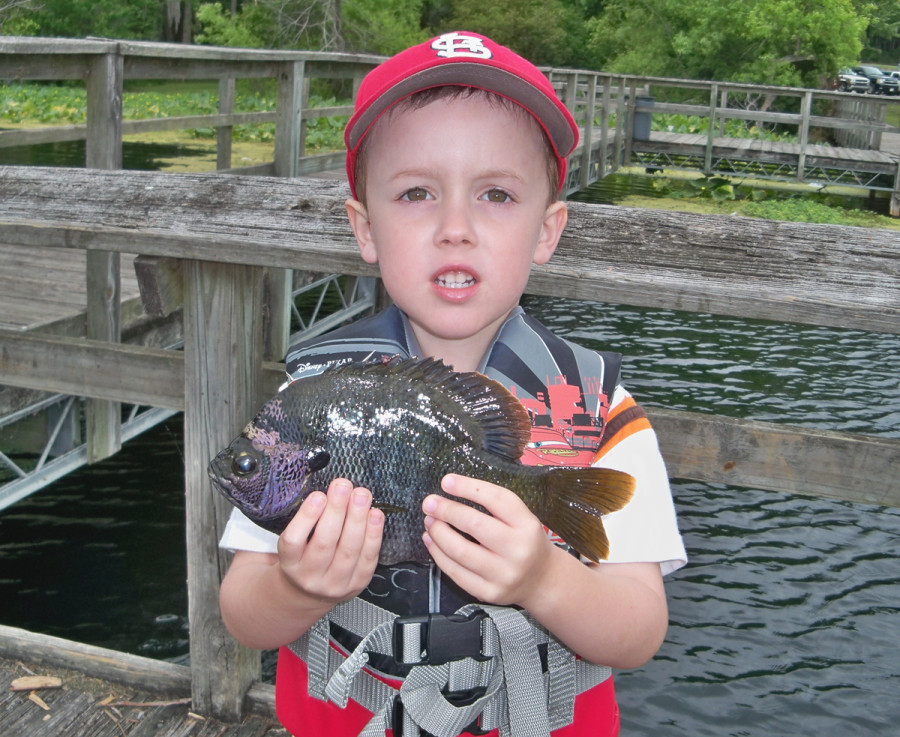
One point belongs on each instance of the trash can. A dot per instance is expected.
(643, 118)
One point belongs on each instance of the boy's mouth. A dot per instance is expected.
(455, 280)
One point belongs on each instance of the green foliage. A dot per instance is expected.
(15, 22)
(244, 30)
(53, 104)
(882, 39)
(786, 42)
(734, 128)
(47, 104)
(805, 211)
(382, 26)
(547, 32)
(128, 19)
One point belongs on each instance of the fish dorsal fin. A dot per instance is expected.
(501, 423)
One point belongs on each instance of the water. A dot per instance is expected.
(783, 623)
(136, 155)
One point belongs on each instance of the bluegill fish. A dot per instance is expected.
(397, 428)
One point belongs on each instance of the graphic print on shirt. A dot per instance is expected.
(563, 430)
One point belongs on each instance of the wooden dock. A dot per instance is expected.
(222, 236)
(47, 292)
(86, 691)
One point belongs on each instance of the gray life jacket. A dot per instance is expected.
(480, 667)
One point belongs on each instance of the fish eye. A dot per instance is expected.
(318, 460)
(244, 464)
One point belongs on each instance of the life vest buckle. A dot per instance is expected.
(435, 639)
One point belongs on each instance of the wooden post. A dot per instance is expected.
(288, 118)
(805, 110)
(590, 109)
(288, 150)
(604, 128)
(225, 133)
(223, 379)
(723, 103)
(620, 125)
(103, 150)
(710, 129)
(629, 131)
(895, 195)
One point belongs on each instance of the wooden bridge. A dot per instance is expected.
(614, 113)
(216, 241)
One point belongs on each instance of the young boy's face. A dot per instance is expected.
(456, 212)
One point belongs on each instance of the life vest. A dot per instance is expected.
(461, 665)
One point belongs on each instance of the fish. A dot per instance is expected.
(397, 427)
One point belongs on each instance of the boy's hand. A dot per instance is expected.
(511, 553)
(329, 550)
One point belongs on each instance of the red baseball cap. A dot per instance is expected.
(466, 60)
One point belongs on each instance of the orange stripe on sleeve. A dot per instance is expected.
(623, 421)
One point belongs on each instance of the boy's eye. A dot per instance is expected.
(497, 195)
(416, 194)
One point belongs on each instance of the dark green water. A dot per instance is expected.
(135, 155)
(785, 621)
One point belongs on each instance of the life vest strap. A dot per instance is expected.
(495, 682)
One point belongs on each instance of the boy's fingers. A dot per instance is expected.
(352, 535)
(499, 502)
(374, 533)
(299, 528)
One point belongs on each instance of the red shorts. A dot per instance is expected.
(596, 711)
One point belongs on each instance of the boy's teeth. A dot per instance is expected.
(455, 279)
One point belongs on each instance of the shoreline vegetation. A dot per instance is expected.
(30, 105)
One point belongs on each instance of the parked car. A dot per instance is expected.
(879, 82)
(850, 81)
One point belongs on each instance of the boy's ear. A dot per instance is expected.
(362, 229)
(555, 218)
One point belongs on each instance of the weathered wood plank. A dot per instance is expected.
(161, 281)
(122, 373)
(795, 272)
(223, 342)
(103, 150)
(126, 703)
(778, 457)
(703, 447)
(157, 676)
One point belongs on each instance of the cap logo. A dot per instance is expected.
(451, 45)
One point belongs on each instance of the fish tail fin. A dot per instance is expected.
(576, 500)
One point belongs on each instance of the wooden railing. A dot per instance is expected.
(105, 65)
(227, 229)
(607, 107)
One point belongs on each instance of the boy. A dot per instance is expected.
(456, 155)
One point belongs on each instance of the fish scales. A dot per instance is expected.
(397, 428)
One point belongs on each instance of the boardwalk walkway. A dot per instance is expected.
(157, 703)
(44, 289)
(90, 707)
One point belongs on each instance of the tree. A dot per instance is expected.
(14, 20)
(383, 26)
(544, 31)
(882, 41)
(245, 29)
(786, 42)
(137, 19)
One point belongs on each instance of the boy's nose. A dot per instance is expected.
(455, 226)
